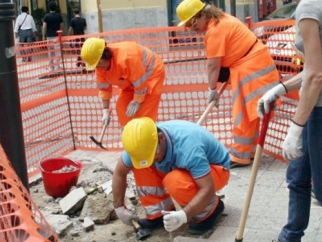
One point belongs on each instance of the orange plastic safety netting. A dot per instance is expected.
(20, 219)
(61, 108)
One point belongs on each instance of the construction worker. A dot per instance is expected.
(302, 146)
(234, 54)
(177, 160)
(135, 69)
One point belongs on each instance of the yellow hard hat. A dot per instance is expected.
(140, 140)
(187, 9)
(92, 51)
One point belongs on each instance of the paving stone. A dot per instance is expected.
(73, 201)
(59, 223)
(88, 224)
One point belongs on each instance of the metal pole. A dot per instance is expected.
(256, 7)
(222, 5)
(99, 16)
(11, 132)
(233, 7)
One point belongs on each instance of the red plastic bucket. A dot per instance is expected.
(59, 184)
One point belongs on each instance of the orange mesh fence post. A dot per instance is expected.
(20, 219)
(248, 21)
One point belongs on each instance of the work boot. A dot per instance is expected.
(234, 164)
(151, 224)
(203, 226)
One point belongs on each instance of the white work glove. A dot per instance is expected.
(292, 146)
(213, 95)
(132, 108)
(125, 215)
(173, 220)
(106, 116)
(270, 96)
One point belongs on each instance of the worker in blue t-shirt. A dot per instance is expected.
(176, 160)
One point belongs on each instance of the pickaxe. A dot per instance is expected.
(99, 142)
(140, 234)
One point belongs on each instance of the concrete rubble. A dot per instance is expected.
(59, 223)
(93, 208)
(267, 214)
(88, 224)
(80, 210)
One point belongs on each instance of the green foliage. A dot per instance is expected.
(38, 15)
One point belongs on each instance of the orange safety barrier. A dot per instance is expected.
(61, 108)
(20, 219)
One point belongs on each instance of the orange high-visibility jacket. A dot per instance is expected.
(132, 66)
(252, 70)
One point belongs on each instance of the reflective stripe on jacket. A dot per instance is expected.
(251, 77)
(132, 66)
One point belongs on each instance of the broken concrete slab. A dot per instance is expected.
(88, 224)
(59, 223)
(94, 208)
(73, 201)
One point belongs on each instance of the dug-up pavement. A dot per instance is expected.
(266, 216)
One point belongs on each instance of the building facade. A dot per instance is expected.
(109, 15)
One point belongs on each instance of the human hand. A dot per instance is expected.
(125, 215)
(173, 220)
(292, 146)
(272, 95)
(132, 108)
(106, 116)
(213, 95)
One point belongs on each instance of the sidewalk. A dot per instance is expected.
(268, 209)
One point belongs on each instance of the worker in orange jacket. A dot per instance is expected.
(135, 69)
(173, 160)
(234, 55)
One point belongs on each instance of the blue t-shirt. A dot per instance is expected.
(190, 147)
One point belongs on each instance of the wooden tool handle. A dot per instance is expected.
(102, 133)
(211, 105)
(135, 225)
(105, 127)
(253, 175)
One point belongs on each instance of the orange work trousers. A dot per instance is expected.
(250, 78)
(149, 107)
(245, 141)
(155, 188)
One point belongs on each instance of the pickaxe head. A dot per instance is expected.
(97, 143)
(140, 233)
